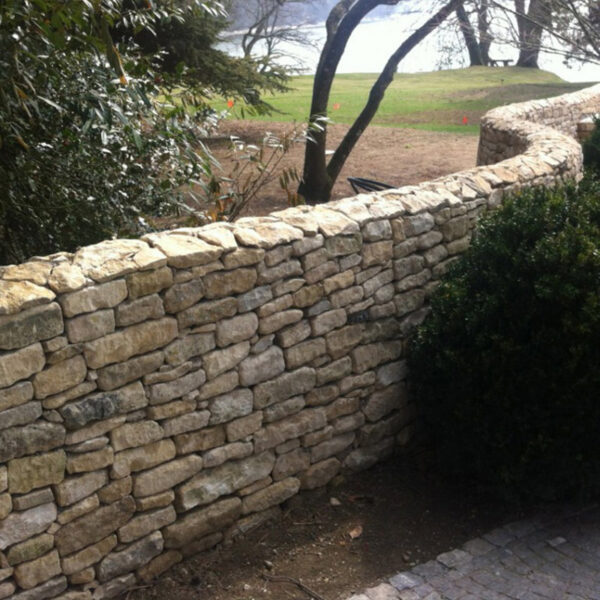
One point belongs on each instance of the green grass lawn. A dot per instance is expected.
(435, 101)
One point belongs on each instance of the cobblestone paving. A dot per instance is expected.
(555, 557)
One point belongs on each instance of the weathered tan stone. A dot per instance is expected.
(89, 556)
(243, 257)
(183, 251)
(30, 326)
(32, 499)
(3, 478)
(90, 461)
(332, 223)
(204, 439)
(171, 409)
(241, 428)
(158, 501)
(237, 329)
(20, 415)
(5, 505)
(73, 489)
(93, 527)
(7, 589)
(341, 407)
(202, 522)
(94, 430)
(328, 321)
(342, 341)
(90, 326)
(58, 400)
(363, 458)
(207, 312)
(31, 574)
(145, 283)
(30, 549)
(320, 474)
(20, 364)
(164, 392)
(220, 385)
(106, 295)
(283, 409)
(290, 428)
(278, 305)
(185, 423)
(287, 385)
(279, 320)
(16, 395)
(81, 578)
(260, 367)
(60, 377)
(166, 476)
(157, 566)
(385, 401)
(119, 374)
(208, 486)
(37, 437)
(132, 435)
(218, 285)
(270, 496)
(265, 234)
(137, 339)
(18, 527)
(220, 361)
(377, 253)
(331, 447)
(115, 490)
(66, 278)
(83, 507)
(104, 405)
(142, 309)
(367, 356)
(146, 523)
(304, 353)
(26, 474)
(17, 296)
(235, 451)
(189, 346)
(290, 336)
(144, 457)
(115, 587)
(34, 271)
(334, 371)
(183, 295)
(291, 463)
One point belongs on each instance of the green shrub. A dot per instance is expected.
(506, 368)
(591, 149)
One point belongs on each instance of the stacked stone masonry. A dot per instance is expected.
(161, 396)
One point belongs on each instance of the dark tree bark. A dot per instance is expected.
(319, 177)
(483, 24)
(471, 41)
(531, 26)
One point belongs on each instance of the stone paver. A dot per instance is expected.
(550, 557)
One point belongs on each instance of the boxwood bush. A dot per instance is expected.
(506, 368)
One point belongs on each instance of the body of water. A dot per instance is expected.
(374, 40)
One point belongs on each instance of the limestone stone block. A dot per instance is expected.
(243, 427)
(89, 556)
(157, 566)
(20, 415)
(342, 341)
(368, 356)
(376, 231)
(289, 428)
(331, 447)
(322, 395)
(83, 507)
(271, 496)
(5, 505)
(89, 445)
(238, 403)
(234, 451)
(33, 573)
(165, 392)
(94, 526)
(34, 271)
(58, 400)
(20, 364)
(185, 423)
(327, 321)
(183, 349)
(256, 232)
(26, 474)
(338, 282)
(171, 409)
(157, 501)
(90, 461)
(128, 342)
(291, 463)
(145, 283)
(385, 401)
(364, 458)
(308, 295)
(342, 245)
(16, 395)
(30, 326)
(146, 523)
(196, 441)
(166, 476)
(115, 587)
(228, 283)
(90, 326)
(219, 385)
(279, 320)
(278, 255)
(320, 474)
(37, 437)
(94, 430)
(348, 423)
(243, 257)
(66, 278)
(220, 361)
(290, 336)
(202, 522)
(119, 374)
(3, 478)
(342, 407)
(115, 490)
(30, 549)
(283, 409)
(105, 295)
(74, 489)
(260, 367)
(290, 384)
(290, 268)
(49, 589)
(60, 377)
(377, 253)
(7, 589)
(183, 251)
(254, 298)
(133, 435)
(315, 258)
(144, 457)
(142, 309)
(308, 244)
(372, 285)
(321, 272)
(20, 526)
(305, 352)
(17, 296)
(206, 487)
(236, 329)
(207, 312)
(334, 371)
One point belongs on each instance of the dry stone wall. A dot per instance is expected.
(160, 396)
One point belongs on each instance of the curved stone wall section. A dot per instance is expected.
(159, 396)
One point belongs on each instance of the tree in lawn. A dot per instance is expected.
(477, 41)
(319, 176)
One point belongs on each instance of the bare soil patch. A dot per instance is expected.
(388, 154)
(400, 515)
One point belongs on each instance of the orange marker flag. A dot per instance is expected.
(230, 103)
(336, 106)
(465, 120)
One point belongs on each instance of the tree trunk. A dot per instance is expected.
(483, 24)
(475, 57)
(531, 27)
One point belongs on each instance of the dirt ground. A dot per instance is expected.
(339, 540)
(388, 154)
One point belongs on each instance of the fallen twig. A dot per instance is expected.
(286, 579)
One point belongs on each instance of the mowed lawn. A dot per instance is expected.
(436, 101)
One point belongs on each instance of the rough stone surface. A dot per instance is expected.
(166, 476)
(20, 364)
(26, 474)
(59, 377)
(30, 326)
(18, 527)
(94, 298)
